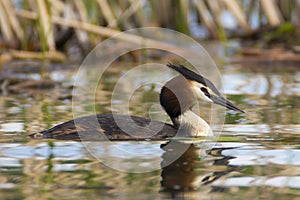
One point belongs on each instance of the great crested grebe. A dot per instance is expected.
(177, 97)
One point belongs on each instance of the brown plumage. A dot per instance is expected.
(87, 128)
(177, 97)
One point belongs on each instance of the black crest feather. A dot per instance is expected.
(190, 75)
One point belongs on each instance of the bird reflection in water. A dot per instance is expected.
(190, 172)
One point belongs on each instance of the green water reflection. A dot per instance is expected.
(258, 154)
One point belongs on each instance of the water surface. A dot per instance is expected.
(257, 155)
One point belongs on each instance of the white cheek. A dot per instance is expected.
(201, 95)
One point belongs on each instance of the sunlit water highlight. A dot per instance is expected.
(258, 151)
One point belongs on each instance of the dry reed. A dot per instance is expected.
(107, 18)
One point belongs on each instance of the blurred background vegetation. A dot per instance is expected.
(51, 29)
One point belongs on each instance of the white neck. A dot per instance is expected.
(192, 124)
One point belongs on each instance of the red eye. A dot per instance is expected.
(204, 90)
